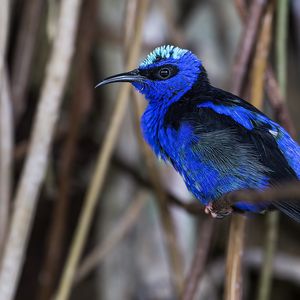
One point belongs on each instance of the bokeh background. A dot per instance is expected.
(146, 229)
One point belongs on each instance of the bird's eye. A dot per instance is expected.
(164, 73)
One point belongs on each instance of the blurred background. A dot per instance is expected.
(146, 229)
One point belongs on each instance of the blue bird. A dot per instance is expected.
(217, 141)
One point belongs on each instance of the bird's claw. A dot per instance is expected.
(209, 210)
(217, 213)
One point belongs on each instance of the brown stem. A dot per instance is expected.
(6, 157)
(83, 88)
(247, 44)
(97, 181)
(278, 104)
(289, 191)
(233, 285)
(35, 165)
(199, 261)
(272, 87)
(121, 228)
(23, 53)
(194, 208)
(235, 251)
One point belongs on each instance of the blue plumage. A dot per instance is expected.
(214, 139)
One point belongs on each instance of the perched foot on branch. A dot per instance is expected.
(209, 210)
(218, 211)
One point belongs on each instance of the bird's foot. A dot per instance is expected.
(217, 212)
(209, 210)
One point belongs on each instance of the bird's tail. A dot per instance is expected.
(289, 208)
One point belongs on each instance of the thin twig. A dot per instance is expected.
(265, 281)
(36, 162)
(233, 284)
(83, 89)
(289, 190)
(272, 88)
(261, 59)
(6, 129)
(4, 19)
(235, 251)
(129, 19)
(272, 220)
(6, 159)
(277, 103)
(281, 43)
(194, 208)
(121, 228)
(241, 7)
(247, 44)
(197, 268)
(96, 184)
(23, 53)
(286, 268)
(174, 32)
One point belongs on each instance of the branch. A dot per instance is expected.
(36, 162)
(6, 128)
(83, 89)
(277, 102)
(6, 159)
(281, 43)
(23, 53)
(272, 87)
(290, 191)
(286, 268)
(272, 219)
(235, 252)
(121, 228)
(247, 44)
(197, 268)
(233, 284)
(194, 208)
(96, 184)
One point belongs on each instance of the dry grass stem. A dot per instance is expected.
(247, 44)
(281, 43)
(275, 97)
(81, 101)
(261, 59)
(121, 228)
(36, 162)
(6, 130)
(96, 184)
(235, 251)
(199, 261)
(233, 288)
(6, 156)
(233, 285)
(4, 22)
(258, 76)
(23, 54)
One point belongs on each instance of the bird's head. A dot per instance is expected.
(166, 74)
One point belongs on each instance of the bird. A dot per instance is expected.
(218, 142)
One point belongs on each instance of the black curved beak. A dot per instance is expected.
(131, 76)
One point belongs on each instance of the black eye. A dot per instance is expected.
(164, 73)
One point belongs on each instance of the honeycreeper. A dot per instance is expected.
(217, 141)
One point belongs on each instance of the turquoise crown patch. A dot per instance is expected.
(162, 52)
